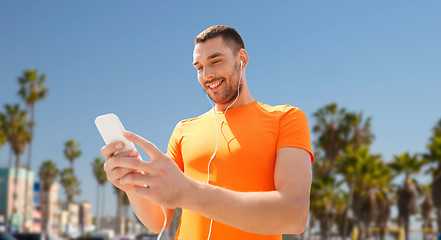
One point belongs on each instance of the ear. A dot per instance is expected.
(243, 58)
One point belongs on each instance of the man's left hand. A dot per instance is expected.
(161, 181)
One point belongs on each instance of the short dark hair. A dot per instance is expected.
(228, 34)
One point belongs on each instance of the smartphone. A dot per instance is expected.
(111, 129)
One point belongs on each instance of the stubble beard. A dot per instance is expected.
(229, 93)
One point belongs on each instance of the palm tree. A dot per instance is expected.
(434, 157)
(121, 209)
(371, 179)
(329, 129)
(71, 186)
(32, 90)
(100, 175)
(70, 183)
(326, 199)
(119, 204)
(125, 204)
(426, 210)
(48, 174)
(355, 133)
(407, 193)
(16, 129)
(384, 205)
(72, 151)
(336, 129)
(2, 132)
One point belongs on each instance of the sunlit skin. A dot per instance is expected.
(217, 63)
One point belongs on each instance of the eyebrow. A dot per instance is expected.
(214, 55)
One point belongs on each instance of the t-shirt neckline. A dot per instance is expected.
(236, 108)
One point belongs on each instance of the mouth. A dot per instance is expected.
(214, 85)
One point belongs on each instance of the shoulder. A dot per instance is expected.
(282, 110)
(191, 121)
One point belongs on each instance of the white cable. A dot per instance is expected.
(165, 223)
(209, 232)
(217, 139)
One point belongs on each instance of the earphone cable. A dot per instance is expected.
(217, 138)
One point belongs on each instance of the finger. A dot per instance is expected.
(118, 173)
(122, 162)
(108, 150)
(139, 179)
(134, 163)
(148, 147)
(112, 163)
(128, 153)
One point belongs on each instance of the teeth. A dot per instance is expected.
(214, 85)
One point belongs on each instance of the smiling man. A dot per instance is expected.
(240, 171)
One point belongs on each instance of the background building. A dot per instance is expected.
(9, 202)
(69, 220)
(50, 209)
(85, 217)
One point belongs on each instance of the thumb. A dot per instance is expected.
(148, 147)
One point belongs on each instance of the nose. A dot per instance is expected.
(207, 73)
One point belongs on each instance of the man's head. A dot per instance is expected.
(230, 36)
(217, 56)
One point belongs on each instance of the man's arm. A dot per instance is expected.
(284, 210)
(150, 214)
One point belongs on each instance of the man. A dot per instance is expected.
(240, 171)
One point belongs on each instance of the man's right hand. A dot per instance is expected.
(115, 174)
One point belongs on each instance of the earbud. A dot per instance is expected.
(241, 62)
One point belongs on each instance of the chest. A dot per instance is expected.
(245, 155)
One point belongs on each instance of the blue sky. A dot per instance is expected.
(135, 59)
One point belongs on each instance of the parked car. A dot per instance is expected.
(124, 237)
(91, 238)
(6, 236)
(29, 236)
(146, 236)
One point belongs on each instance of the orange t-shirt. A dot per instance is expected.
(249, 138)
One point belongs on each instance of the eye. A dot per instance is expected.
(215, 61)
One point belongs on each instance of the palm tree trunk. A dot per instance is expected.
(324, 222)
(382, 233)
(11, 156)
(368, 230)
(126, 219)
(103, 200)
(45, 213)
(12, 191)
(406, 228)
(97, 212)
(345, 213)
(309, 229)
(118, 214)
(425, 226)
(438, 217)
(360, 232)
(29, 162)
(15, 192)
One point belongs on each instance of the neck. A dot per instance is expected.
(243, 99)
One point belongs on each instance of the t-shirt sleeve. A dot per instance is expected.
(174, 146)
(294, 131)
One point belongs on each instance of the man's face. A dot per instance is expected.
(218, 69)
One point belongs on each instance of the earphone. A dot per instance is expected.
(214, 154)
(217, 136)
